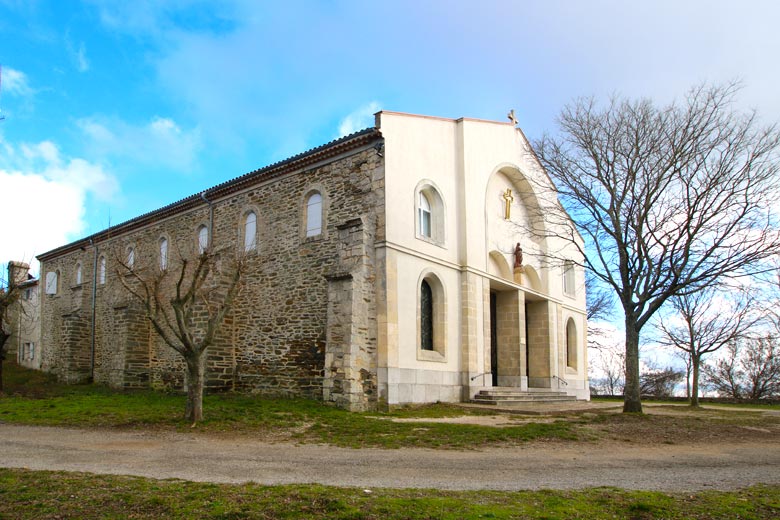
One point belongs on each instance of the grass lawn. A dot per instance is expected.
(35, 398)
(55, 495)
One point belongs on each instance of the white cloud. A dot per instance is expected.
(161, 142)
(361, 118)
(45, 197)
(15, 82)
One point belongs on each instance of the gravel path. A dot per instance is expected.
(556, 466)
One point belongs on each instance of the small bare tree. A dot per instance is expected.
(750, 369)
(659, 382)
(175, 308)
(666, 199)
(703, 329)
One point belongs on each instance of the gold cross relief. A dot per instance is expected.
(508, 199)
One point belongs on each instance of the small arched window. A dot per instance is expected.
(429, 214)
(571, 344)
(130, 257)
(568, 278)
(78, 274)
(424, 216)
(102, 270)
(314, 214)
(203, 239)
(163, 254)
(250, 231)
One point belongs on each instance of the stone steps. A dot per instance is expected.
(508, 396)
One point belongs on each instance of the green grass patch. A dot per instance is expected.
(704, 403)
(28, 494)
(36, 399)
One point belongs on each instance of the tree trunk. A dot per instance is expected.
(695, 360)
(632, 402)
(196, 368)
(3, 338)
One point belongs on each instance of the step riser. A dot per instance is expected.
(509, 397)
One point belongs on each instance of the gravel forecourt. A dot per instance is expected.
(199, 457)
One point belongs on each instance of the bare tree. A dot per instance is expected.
(8, 296)
(659, 382)
(176, 308)
(750, 370)
(703, 329)
(666, 199)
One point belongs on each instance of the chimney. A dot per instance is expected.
(17, 273)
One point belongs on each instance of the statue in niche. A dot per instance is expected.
(518, 256)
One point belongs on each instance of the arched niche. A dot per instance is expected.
(531, 279)
(498, 266)
(525, 225)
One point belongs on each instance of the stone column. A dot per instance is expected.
(350, 378)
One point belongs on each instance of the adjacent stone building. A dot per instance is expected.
(409, 262)
(24, 317)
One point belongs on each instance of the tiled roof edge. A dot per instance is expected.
(324, 151)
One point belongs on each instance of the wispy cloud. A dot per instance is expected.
(161, 141)
(361, 118)
(15, 82)
(79, 56)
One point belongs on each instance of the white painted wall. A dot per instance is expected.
(471, 163)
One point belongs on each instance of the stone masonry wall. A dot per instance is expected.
(274, 340)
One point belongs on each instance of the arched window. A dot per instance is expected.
(429, 213)
(424, 216)
(130, 257)
(426, 316)
(102, 270)
(250, 231)
(571, 344)
(203, 239)
(163, 254)
(431, 319)
(314, 214)
(568, 278)
(78, 274)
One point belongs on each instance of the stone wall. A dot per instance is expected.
(274, 341)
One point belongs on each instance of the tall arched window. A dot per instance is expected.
(426, 316)
(78, 274)
(203, 239)
(102, 270)
(571, 344)
(431, 319)
(314, 214)
(250, 231)
(130, 257)
(163, 254)
(424, 216)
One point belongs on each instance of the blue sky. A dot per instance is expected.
(113, 109)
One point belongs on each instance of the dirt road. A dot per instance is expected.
(557, 466)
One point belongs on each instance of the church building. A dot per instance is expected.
(411, 262)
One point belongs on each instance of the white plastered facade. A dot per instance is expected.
(494, 324)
